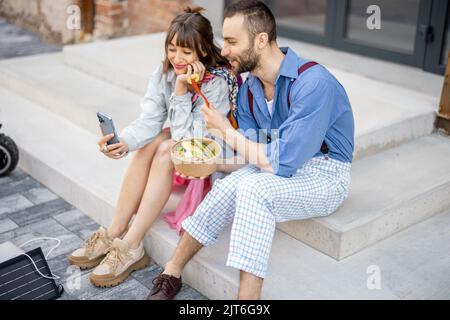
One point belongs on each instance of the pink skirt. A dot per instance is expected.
(193, 195)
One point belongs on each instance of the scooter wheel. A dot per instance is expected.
(9, 155)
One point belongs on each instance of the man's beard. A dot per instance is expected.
(248, 62)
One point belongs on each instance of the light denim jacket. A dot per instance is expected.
(160, 103)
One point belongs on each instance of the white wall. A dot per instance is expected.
(214, 12)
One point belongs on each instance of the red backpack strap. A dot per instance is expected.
(306, 66)
(300, 70)
(250, 102)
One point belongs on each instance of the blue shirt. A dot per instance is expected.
(319, 111)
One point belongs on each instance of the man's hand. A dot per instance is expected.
(220, 126)
(113, 151)
(215, 122)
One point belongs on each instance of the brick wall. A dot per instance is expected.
(115, 18)
(112, 18)
(153, 15)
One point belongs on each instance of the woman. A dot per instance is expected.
(190, 49)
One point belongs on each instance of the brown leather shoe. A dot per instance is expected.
(165, 287)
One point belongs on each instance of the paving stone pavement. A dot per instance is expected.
(17, 42)
(29, 210)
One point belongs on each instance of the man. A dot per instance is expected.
(302, 172)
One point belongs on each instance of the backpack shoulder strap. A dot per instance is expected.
(300, 70)
(250, 102)
(306, 66)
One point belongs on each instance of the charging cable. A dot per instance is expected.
(53, 276)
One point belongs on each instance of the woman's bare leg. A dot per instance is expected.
(156, 194)
(133, 185)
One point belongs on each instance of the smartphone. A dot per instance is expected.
(107, 127)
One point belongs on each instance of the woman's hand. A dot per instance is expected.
(215, 122)
(181, 84)
(113, 151)
(189, 177)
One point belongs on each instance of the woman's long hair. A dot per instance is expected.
(194, 31)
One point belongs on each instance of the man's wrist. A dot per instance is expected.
(231, 137)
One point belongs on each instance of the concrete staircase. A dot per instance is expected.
(400, 175)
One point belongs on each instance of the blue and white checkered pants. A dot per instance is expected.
(258, 200)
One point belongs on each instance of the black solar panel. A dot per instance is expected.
(19, 279)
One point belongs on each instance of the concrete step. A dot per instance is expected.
(389, 191)
(129, 61)
(381, 121)
(76, 96)
(68, 92)
(52, 149)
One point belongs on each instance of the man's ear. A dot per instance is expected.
(262, 40)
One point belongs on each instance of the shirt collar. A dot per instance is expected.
(289, 65)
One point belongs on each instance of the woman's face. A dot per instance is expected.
(180, 57)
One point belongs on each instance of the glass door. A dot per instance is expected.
(309, 20)
(446, 46)
(307, 15)
(412, 32)
(436, 57)
(396, 30)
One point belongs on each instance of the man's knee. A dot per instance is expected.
(253, 185)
